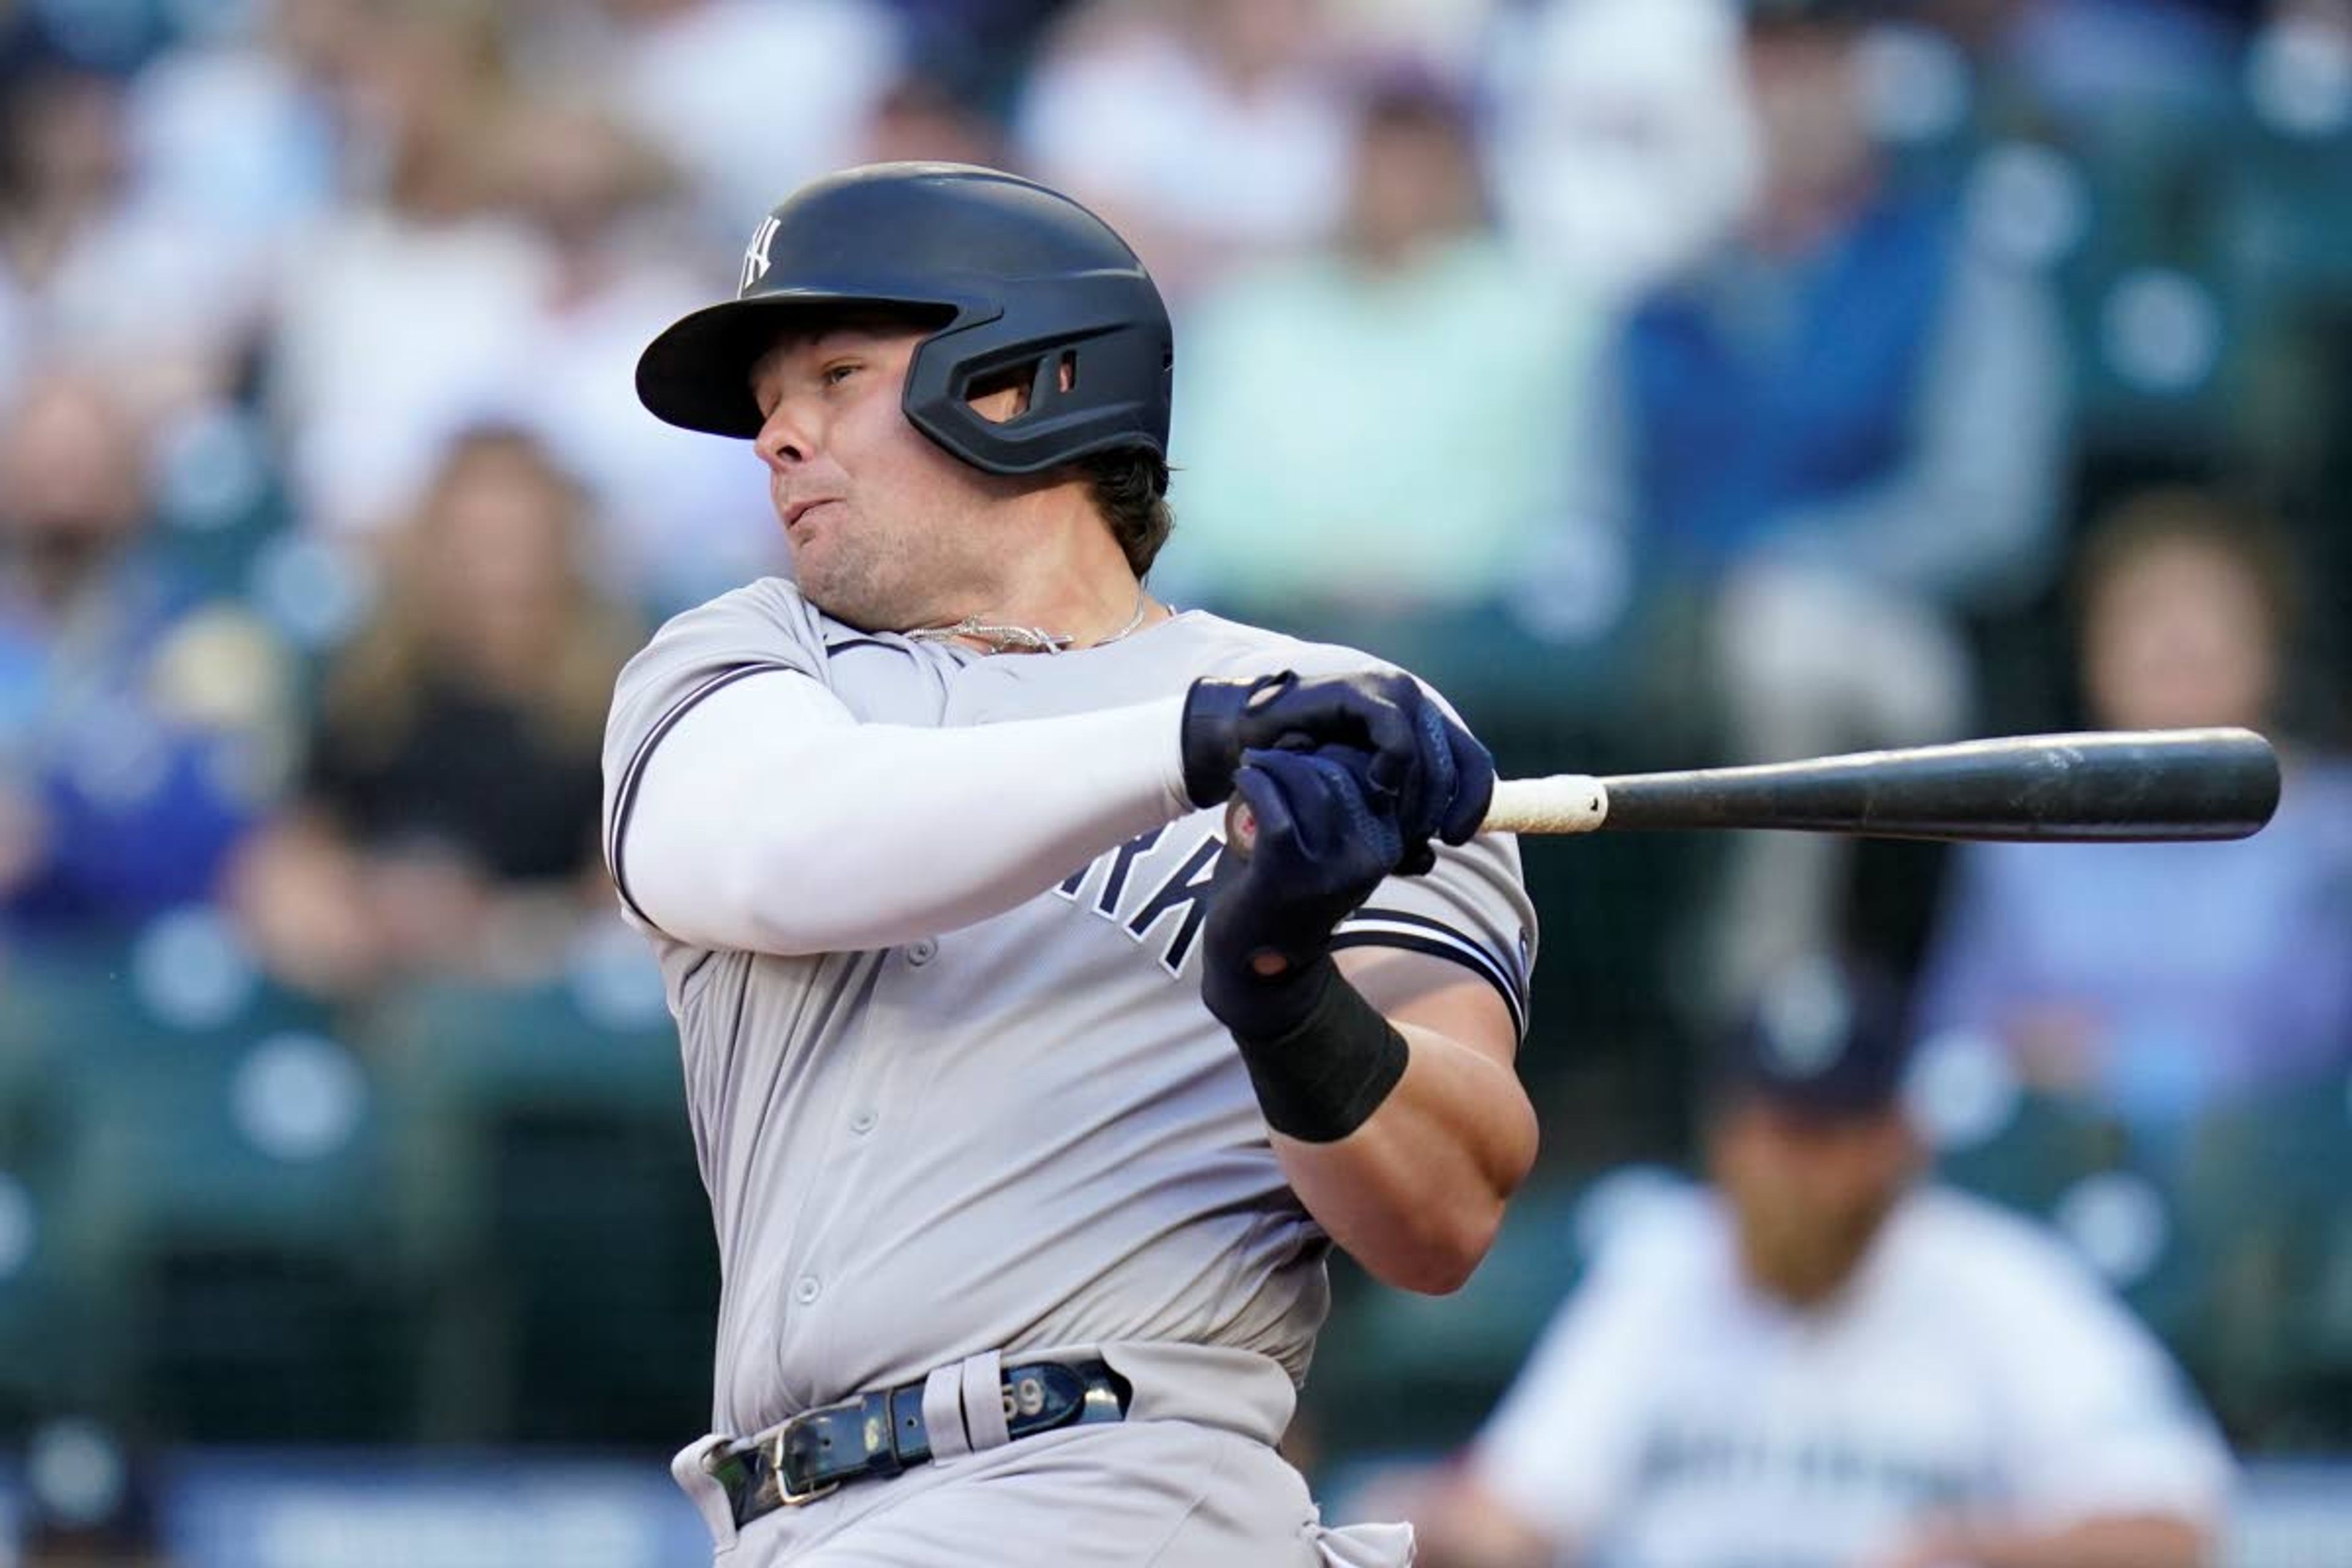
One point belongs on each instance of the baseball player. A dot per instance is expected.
(1823, 1364)
(1028, 1109)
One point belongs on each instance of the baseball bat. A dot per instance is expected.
(2108, 786)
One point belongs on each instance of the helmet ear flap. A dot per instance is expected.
(1096, 381)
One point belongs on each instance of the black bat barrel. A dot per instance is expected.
(2107, 786)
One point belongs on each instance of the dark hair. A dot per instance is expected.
(1130, 490)
(1128, 484)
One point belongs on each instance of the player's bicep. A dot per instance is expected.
(701, 780)
(1471, 917)
(1440, 995)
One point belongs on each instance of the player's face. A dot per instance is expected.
(1808, 1194)
(888, 532)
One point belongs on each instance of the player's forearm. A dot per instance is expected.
(1416, 1193)
(773, 822)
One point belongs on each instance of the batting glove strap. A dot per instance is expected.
(1215, 719)
(1324, 1076)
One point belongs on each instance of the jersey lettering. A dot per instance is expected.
(1122, 861)
(1186, 889)
(1721, 1458)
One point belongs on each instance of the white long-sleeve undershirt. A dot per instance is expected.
(771, 819)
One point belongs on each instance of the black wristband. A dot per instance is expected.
(1323, 1077)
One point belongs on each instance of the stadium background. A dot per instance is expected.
(331, 1237)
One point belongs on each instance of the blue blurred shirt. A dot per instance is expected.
(2204, 971)
(140, 727)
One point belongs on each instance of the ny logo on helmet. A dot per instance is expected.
(755, 255)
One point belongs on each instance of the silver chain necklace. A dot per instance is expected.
(1021, 639)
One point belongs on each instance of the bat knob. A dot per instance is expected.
(1241, 828)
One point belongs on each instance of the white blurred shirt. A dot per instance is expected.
(753, 99)
(1673, 1415)
(393, 337)
(1623, 146)
(682, 515)
(1198, 176)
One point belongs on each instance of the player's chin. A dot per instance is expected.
(841, 594)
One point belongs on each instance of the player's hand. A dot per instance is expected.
(1327, 836)
(1437, 775)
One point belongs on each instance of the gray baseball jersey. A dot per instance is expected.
(1025, 1133)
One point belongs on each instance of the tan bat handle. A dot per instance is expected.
(1561, 802)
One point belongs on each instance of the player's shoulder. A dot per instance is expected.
(1962, 1248)
(1652, 1233)
(774, 602)
(1239, 648)
(1244, 642)
(764, 620)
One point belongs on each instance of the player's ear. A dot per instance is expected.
(1004, 397)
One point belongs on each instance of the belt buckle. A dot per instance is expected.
(791, 1499)
(777, 1468)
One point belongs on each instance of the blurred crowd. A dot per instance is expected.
(1670, 380)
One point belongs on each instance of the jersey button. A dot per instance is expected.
(921, 952)
(806, 1290)
(862, 1122)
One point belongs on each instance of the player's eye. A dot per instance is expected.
(834, 374)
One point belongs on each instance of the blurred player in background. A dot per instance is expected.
(1824, 1363)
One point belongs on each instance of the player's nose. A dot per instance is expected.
(785, 440)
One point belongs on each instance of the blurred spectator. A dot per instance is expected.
(234, 149)
(90, 270)
(1621, 146)
(1382, 425)
(1209, 133)
(447, 817)
(1823, 1363)
(748, 97)
(679, 522)
(1843, 429)
(142, 732)
(2156, 979)
(2078, 62)
(402, 318)
(924, 119)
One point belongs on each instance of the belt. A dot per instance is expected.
(878, 1434)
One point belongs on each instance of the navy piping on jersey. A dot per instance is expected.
(625, 799)
(1418, 933)
(831, 648)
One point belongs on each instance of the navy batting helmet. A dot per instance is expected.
(1020, 277)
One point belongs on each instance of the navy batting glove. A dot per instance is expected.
(1434, 771)
(1326, 839)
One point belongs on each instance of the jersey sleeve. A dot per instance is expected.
(1562, 1449)
(2103, 1421)
(1472, 910)
(762, 628)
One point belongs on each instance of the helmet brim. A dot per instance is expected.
(697, 374)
